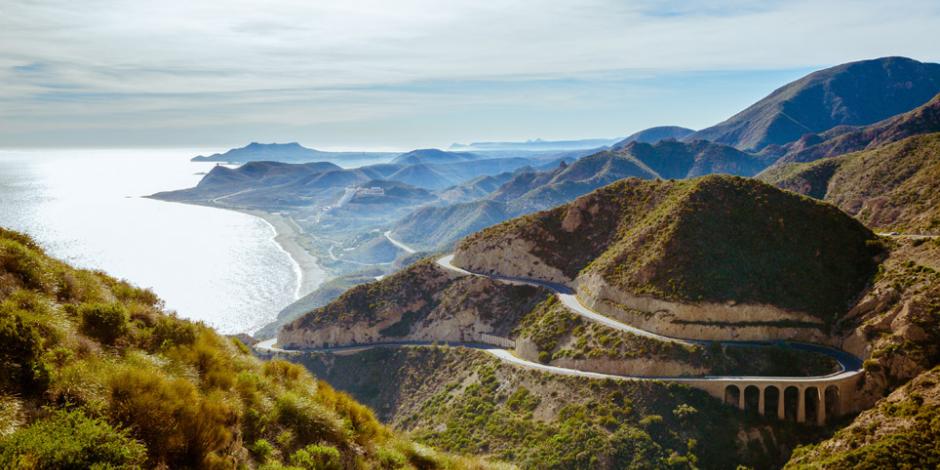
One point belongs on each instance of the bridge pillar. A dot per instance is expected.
(800, 406)
(760, 399)
(781, 403)
(821, 414)
(741, 397)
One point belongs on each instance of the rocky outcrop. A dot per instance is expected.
(894, 326)
(509, 256)
(703, 321)
(421, 303)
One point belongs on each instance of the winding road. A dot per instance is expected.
(850, 365)
(402, 246)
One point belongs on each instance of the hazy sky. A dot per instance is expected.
(415, 73)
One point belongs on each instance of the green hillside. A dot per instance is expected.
(715, 238)
(892, 187)
(466, 401)
(94, 374)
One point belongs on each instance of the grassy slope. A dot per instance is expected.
(893, 187)
(93, 371)
(715, 238)
(460, 399)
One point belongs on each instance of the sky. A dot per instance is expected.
(401, 74)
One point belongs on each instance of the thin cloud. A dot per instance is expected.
(108, 64)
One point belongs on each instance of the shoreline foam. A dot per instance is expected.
(287, 234)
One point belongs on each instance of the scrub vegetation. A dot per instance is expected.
(95, 374)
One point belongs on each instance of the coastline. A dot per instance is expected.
(287, 234)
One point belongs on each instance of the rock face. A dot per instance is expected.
(701, 320)
(894, 324)
(421, 303)
(511, 257)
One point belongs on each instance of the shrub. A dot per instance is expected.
(25, 265)
(103, 322)
(179, 427)
(310, 421)
(262, 449)
(544, 357)
(684, 410)
(390, 458)
(317, 457)
(170, 331)
(71, 440)
(20, 349)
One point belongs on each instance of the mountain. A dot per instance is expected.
(95, 374)
(854, 94)
(324, 294)
(525, 192)
(421, 175)
(431, 156)
(270, 185)
(671, 159)
(432, 226)
(840, 140)
(428, 227)
(655, 134)
(706, 240)
(892, 187)
(478, 187)
(537, 145)
(290, 152)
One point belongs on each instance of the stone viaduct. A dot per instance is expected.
(801, 399)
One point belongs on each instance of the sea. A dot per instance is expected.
(85, 207)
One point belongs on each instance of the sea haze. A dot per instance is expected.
(85, 207)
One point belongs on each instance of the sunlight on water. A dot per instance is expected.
(84, 206)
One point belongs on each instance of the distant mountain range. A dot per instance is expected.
(431, 156)
(655, 134)
(537, 144)
(271, 184)
(290, 152)
(854, 94)
(530, 191)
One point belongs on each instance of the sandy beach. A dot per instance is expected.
(288, 235)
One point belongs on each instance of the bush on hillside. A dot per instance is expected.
(103, 322)
(71, 440)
